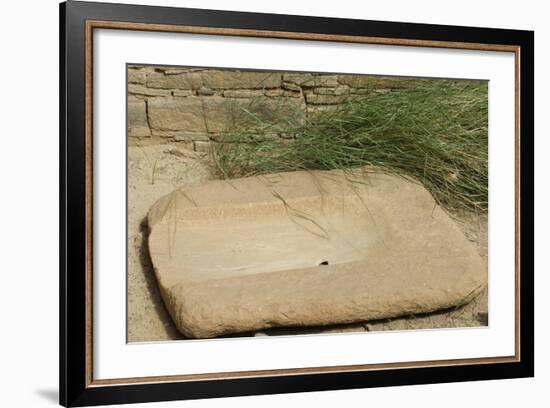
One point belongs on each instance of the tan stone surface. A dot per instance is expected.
(182, 93)
(137, 119)
(141, 90)
(185, 114)
(273, 93)
(340, 90)
(137, 76)
(222, 113)
(317, 99)
(175, 165)
(240, 79)
(310, 80)
(240, 255)
(290, 86)
(243, 93)
(172, 70)
(183, 80)
(181, 135)
(216, 114)
(375, 82)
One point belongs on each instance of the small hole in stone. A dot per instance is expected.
(323, 263)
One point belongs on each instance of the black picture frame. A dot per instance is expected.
(76, 386)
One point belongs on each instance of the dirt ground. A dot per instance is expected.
(157, 169)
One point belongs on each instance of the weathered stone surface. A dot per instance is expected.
(134, 98)
(185, 114)
(243, 93)
(137, 119)
(374, 82)
(180, 135)
(297, 79)
(241, 79)
(213, 100)
(315, 99)
(216, 114)
(289, 86)
(183, 93)
(224, 113)
(274, 92)
(287, 331)
(177, 71)
(465, 316)
(339, 90)
(306, 249)
(325, 80)
(292, 94)
(311, 80)
(184, 80)
(205, 91)
(136, 76)
(141, 90)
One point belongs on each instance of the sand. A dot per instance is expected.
(157, 169)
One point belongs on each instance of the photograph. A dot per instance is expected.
(284, 203)
(254, 203)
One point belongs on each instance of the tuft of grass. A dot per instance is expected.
(435, 132)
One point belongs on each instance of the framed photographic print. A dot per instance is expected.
(256, 203)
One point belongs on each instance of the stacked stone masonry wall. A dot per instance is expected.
(195, 105)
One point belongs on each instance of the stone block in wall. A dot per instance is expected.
(134, 98)
(180, 135)
(215, 114)
(274, 92)
(311, 80)
(183, 80)
(226, 113)
(137, 119)
(325, 80)
(292, 94)
(290, 86)
(185, 114)
(374, 82)
(243, 93)
(140, 90)
(339, 90)
(183, 93)
(316, 99)
(137, 76)
(205, 91)
(176, 71)
(297, 79)
(240, 79)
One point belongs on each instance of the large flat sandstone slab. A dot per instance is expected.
(306, 248)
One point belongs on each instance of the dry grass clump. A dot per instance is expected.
(435, 132)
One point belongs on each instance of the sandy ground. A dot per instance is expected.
(157, 169)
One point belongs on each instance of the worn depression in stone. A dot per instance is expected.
(307, 248)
